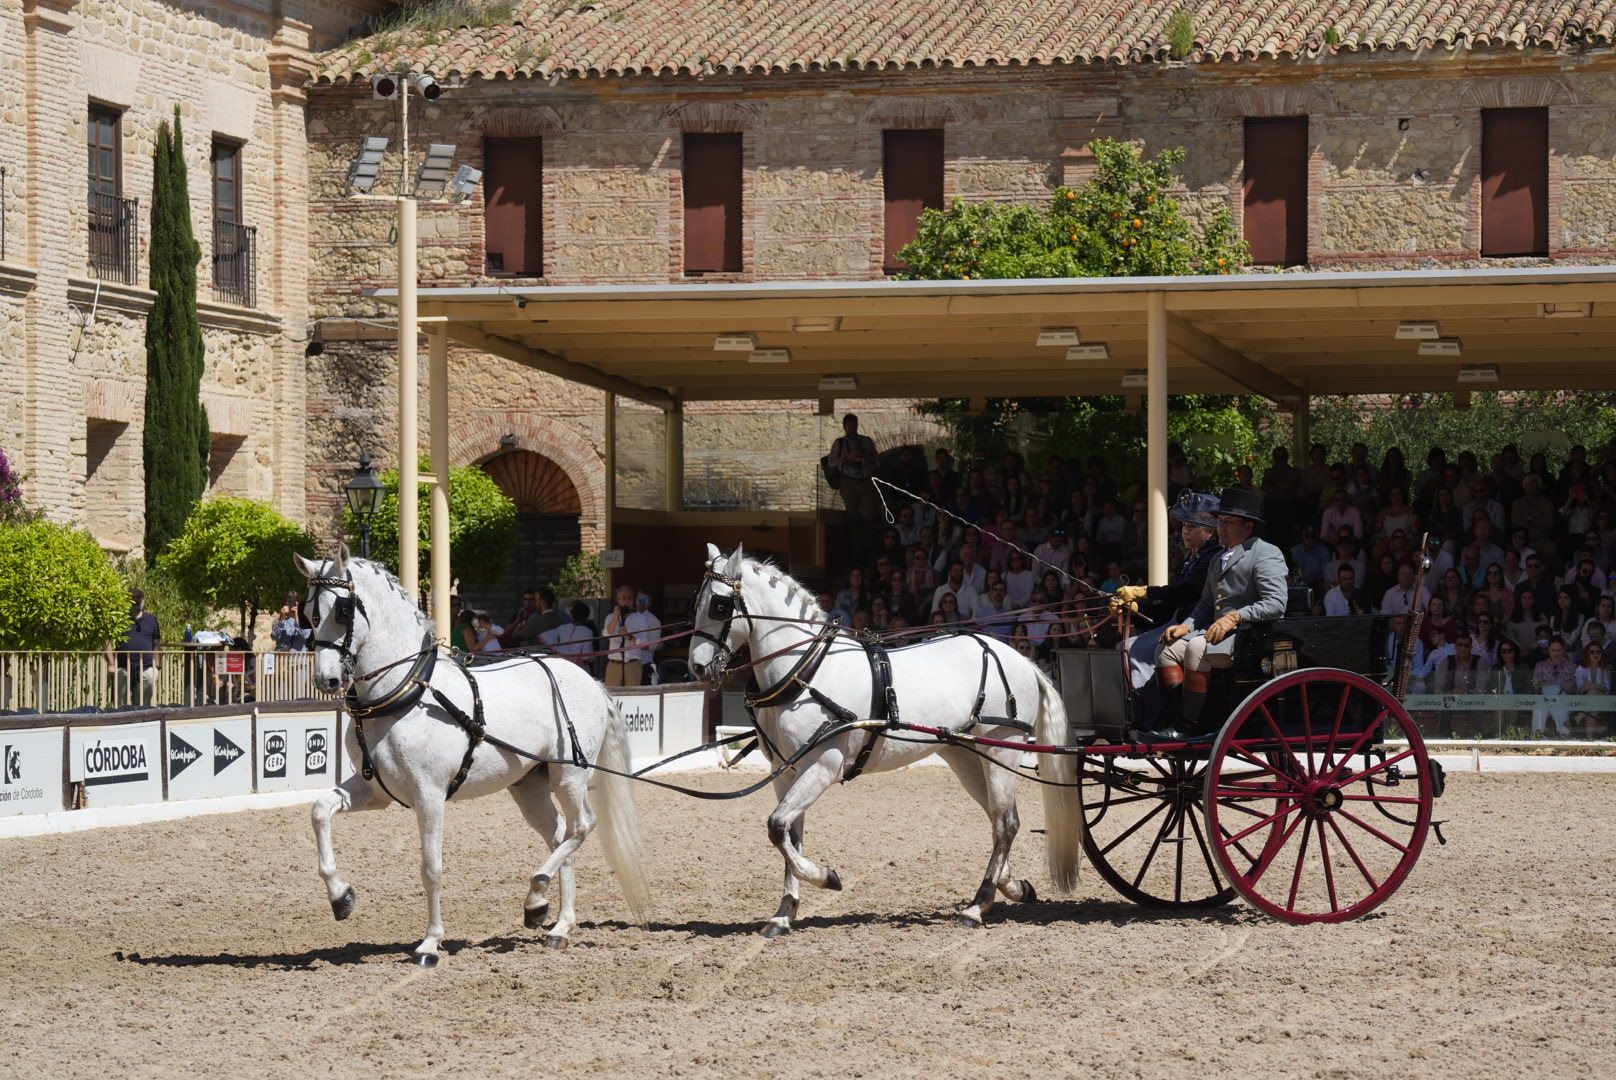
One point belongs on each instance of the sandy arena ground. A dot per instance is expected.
(207, 946)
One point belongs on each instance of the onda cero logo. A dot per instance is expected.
(275, 753)
(314, 752)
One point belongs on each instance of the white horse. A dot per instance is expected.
(937, 683)
(368, 633)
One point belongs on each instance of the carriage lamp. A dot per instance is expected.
(364, 492)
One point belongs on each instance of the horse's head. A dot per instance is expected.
(718, 602)
(337, 615)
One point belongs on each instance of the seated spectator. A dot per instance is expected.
(1341, 514)
(991, 612)
(1452, 591)
(908, 528)
(1509, 676)
(1309, 557)
(487, 634)
(1346, 551)
(1534, 512)
(1437, 649)
(1522, 629)
(1487, 637)
(1345, 598)
(1593, 677)
(1381, 578)
(573, 638)
(880, 614)
(1403, 596)
(1566, 621)
(1554, 675)
(975, 573)
(852, 597)
(919, 579)
(1500, 598)
(1055, 552)
(1437, 620)
(465, 632)
(1390, 648)
(1489, 553)
(956, 586)
(1019, 580)
(1463, 671)
(1604, 614)
(1109, 528)
(948, 609)
(1514, 572)
(1594, 632)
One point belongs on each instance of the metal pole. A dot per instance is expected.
(1156, 431)
(1301, 432)
(409, 519)
(438, 438)
(364, 539)
(674, 423)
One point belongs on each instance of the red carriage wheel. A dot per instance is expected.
(1144, 830)
(1327, 772)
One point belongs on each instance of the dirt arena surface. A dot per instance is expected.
(206, 946)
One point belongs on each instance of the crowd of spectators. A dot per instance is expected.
(1518, 597)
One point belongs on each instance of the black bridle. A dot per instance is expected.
(343, 610)
(724, 608)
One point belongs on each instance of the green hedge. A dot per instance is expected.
(58, 589)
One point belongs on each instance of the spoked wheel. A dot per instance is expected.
(1313, 819)
(1145, 832)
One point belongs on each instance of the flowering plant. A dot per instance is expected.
(11, 504)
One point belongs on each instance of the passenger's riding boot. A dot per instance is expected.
(1196, 684)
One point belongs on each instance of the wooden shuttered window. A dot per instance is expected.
(226, 160)
(105, 144)
(513, 206)
(1276, 190)
(1514, 182)
(912, 176)
(712, 188)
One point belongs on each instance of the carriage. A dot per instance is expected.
(1312, 801)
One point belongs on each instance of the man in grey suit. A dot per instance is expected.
(1247, 583)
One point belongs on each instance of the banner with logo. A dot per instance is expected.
(210, 758)
(119, 765)
(297, 750)
(30, 771)
(642, 713)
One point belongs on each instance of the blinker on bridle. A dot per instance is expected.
(721, 608)
(343, 608)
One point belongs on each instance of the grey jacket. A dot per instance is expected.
(1251, 583)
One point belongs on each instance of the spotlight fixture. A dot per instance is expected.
(1135, 380)
(362, 174)
(1094, 350)
(1418, 331)
(465, 182)
(815, 324)
(838, 382)
(735, 343)
(384, 87)
(1441, 347)
(433, 175)
(1471, 374)
(426, 86)
(769, 356)
(1563, 310)
(1058, 336)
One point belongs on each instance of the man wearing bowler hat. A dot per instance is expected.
(1245, 583)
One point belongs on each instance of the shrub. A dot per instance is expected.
(482, 525)
(12, 507)
(581, 576)
(58, 589)
(237, 553)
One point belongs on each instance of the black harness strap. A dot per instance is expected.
(883, 705)
(474, 725)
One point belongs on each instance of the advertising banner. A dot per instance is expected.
(1594, 703)
(30, 771)
(210, 758)
(121, 765)
(643, 715)
(297, 750)
(683, 712)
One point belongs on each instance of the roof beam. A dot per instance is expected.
(1233, 365)
(467, 334)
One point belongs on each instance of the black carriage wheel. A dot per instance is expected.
(1146, 833)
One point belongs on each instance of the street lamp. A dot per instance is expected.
(364, 495)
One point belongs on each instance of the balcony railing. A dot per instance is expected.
(235, 263)
(114, 237)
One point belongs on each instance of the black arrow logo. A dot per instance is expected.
(225, 752)
(180, 755)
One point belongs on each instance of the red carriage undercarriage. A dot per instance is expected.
(1312, 801)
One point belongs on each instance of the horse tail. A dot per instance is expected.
(619, 820)
(1063, 812)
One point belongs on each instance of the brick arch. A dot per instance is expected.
(477, 440)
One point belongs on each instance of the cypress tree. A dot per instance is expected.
(176, 433)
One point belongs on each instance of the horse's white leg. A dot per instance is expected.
(353, 794)
(532, 795)
(429, 816)
(572, 789)
(1001, 807)
(973, 773)
(809, 785)
(791, 899)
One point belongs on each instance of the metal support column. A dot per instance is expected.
(609, 488)
(438, 439)
(409, 519)
(1156, 432)
(1301, 431)
(673, 421)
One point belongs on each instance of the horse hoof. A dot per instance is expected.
(555, 941)
(772, 930)
(968, 922)
(343, 906)
(1028, 894)
(424, 960)
(833, 881)
(533, 917)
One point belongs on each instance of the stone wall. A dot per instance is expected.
(1385, 193)
(235, 72)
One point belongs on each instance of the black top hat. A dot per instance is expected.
(1241, 503)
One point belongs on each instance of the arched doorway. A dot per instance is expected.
(547, 511)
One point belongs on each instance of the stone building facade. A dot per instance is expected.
(1393, 180)
(74, 270)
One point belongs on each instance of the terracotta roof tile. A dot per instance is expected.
(570, 38)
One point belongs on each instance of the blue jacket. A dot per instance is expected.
(1166, 605)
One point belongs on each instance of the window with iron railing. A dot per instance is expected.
(114, 237)
(235, 263)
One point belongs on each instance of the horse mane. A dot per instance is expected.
(391, 580)
(796, 592)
